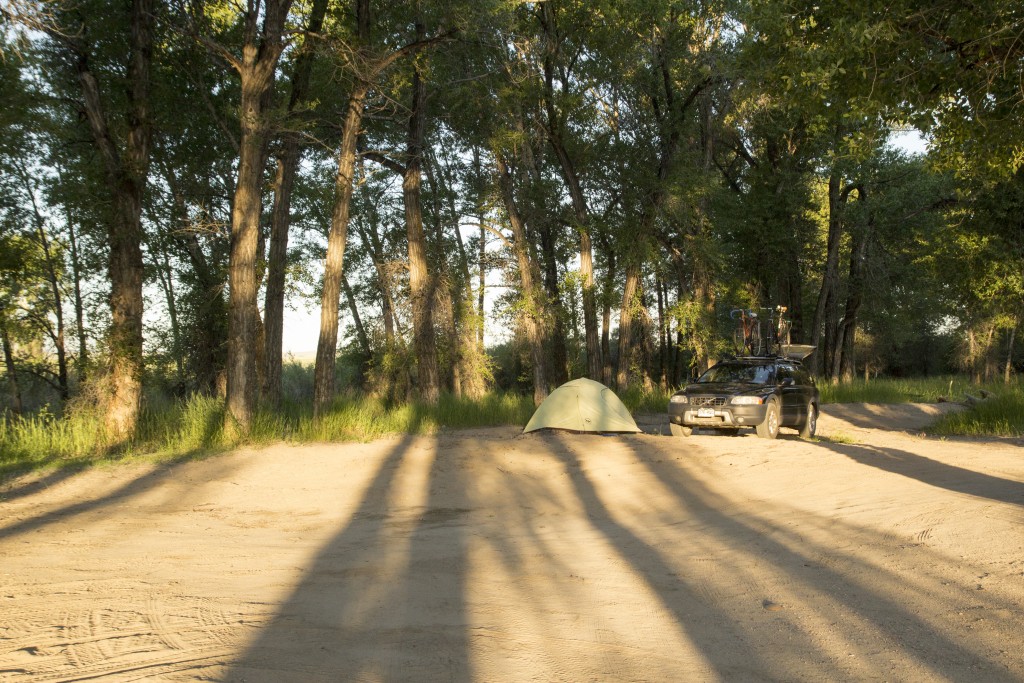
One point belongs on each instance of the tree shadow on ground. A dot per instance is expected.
(28, 487)
(406, 592)
(932, 472)
(383, 600)
(164, 478)
(830, 582)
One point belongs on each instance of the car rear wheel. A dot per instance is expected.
(769, 429)
(810, 425)
(679, 430)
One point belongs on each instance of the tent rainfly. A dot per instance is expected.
(582, 405)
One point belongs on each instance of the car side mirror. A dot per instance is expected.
(788, 382)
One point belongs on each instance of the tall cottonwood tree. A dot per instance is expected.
(287, 169)
(366, 62)
(121, 137)
(263, 40)
(547, 15)
(533, 301)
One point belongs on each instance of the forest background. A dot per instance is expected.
(601, 181)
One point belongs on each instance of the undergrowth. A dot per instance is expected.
(999, 412)
(999, 415)
(195, 427)
(901, 390)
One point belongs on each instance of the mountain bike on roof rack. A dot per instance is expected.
(747, 337)
(761, 332)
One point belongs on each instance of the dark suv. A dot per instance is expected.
(763, 393)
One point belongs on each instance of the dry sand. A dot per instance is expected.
(488, 555)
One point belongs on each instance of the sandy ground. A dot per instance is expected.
(488, 555)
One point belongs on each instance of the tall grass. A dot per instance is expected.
(194, 427)
(641, 401)
(1000, 415)
(899, 390)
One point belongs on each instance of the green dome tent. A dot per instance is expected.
(582, 405)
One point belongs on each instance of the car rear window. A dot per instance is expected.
(728, 372)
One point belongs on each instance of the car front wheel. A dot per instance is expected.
(679, 430)
(769, 429)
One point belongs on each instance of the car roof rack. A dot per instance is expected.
(796, 352)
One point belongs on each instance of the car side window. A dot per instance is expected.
(783, 373)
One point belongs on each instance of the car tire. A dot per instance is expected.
(769, 428)
(810, 425)
(679, 430)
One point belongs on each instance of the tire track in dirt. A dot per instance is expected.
(167, 634)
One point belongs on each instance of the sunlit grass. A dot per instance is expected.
(900, 390)
(195, 427)
(999, 415)
(640, 401)
(45, 440)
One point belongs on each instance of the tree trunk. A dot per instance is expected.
(844, 363)
(629, 304)
(702, 292)
(606, 317)
(371, 237)
(53, 281)
(662, 341)
(245, 216)
(76, 273)
(166, 277)
(989, 358)
(482, 283)
(824, 312)
(206, 359)
(287, 167)
(350, 298)
(125, 170)
(273, 306)
(420, 281)
(579, 204)
(594, 364)
(1008, 368)
(12, 377)
(481, 248)
(795, 297)
(703, 285)
(533, 303)
(327, 345)
(971, 362)
(467, 358)
(261, 52)
(559, 370)
(645, 337)
(471, 354)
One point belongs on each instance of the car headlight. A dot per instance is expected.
(679, 398)
(746, 400)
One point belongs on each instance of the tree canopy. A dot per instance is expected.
(602, 181)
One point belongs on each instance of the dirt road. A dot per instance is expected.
(488, 555)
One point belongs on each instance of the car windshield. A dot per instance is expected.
(729, 372)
